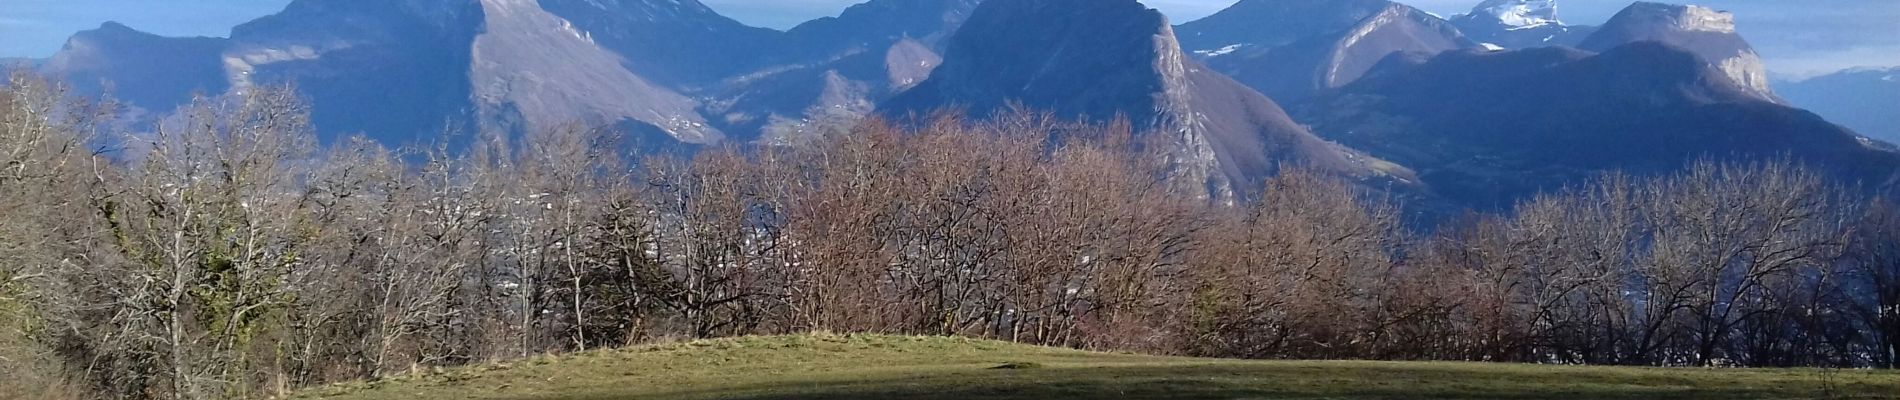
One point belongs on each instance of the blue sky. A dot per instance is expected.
(1798, 37)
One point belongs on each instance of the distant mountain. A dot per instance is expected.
(1100, 59)
(1705, 32)
(787, 102)
(839, 68)
(1289, 65)
(1519, 24)
(158, 73)
(1272, 23)
(878, 23)
(1290, 49)
(1865, 99)
(1657, 86)
(667, 70)
(402, 68)
(1489, 128)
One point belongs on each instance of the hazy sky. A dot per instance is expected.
(1797, 36)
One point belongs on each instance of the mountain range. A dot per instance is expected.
(1096, 60)
(1520, 24)
(1290, 49)
(1479, 110)
(1534, 120)
(1865, 99)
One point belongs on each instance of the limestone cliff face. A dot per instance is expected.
(1101, 59)
(1706, 32)
(530, 64)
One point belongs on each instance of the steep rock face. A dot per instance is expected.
(1705, 32)
(1295, 71)
(144, 70)
(1865, 99)
(532, 66)
(678, 43)
(1519, 24)
(1100, 59)
(1490, 128)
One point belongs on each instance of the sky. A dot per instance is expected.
(1797, 37)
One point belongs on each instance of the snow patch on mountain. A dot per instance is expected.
(1224, 50)
(1522, 14)
(241, 63)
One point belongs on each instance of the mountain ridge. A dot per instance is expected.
(1098, 60)
(1533, 120)
(1861, 98)
(1323, 60)
(139, 67)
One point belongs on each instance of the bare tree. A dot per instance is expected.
(1875, 269)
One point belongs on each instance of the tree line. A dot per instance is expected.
(223, 254)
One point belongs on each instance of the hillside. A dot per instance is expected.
(878, 367)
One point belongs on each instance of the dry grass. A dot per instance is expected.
(912, 368)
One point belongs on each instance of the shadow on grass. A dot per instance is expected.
(1241, 382)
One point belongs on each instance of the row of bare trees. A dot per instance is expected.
(224, 254)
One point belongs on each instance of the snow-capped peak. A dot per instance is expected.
(1521, 14)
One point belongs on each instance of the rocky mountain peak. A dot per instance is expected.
(1686, 18)
(1702, 31)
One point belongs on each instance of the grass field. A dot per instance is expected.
(913, 368)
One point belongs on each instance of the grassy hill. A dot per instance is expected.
(913, 368)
